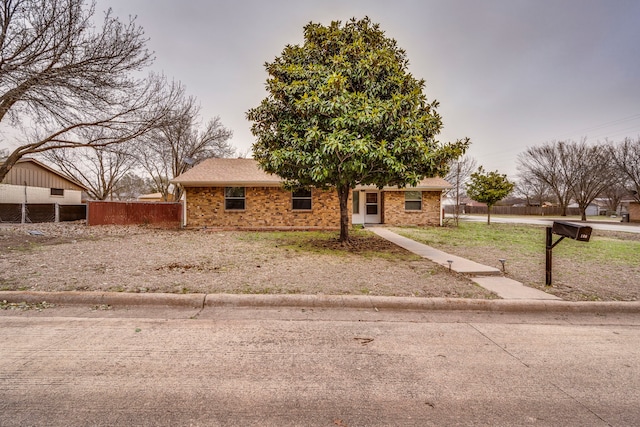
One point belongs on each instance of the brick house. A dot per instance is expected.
(236, 193)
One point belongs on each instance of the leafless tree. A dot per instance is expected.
(535, 192)
(571, 170)
(590, 167)
(614, 194)
(180, 143)
(61, 74)
(626, 159)
(459, 172)
(98, 168)
(550, 164)
(131, 186)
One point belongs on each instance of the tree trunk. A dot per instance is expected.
(583, 213)
(561, 201)
(343, 195)
(456, 214)
(563, 209)
(488, 214)
(177, 193)
(9, 163)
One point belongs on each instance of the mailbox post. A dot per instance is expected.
(573, 231)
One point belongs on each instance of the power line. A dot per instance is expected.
(605, 125)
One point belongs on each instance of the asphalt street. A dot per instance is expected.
(278, 366)
(596, 225)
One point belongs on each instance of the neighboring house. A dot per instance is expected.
(634, 211)
(30, 181)
(472, 203)
(236, 193)
(154, 197)
(592, 209)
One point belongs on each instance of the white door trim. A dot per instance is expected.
(371, 206)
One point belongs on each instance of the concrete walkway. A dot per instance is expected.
(489, 278)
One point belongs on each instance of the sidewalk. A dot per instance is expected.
(489, 278)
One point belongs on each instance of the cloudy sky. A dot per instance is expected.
(508, 73)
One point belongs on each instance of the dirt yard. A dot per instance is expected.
(72, 256)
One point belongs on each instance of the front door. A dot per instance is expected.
(372, 207)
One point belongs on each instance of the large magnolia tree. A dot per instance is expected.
(64, 76)
(342, 110)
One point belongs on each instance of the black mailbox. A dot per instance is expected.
(572, 231)
(564, 229)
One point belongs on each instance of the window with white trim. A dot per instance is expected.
(413, 200)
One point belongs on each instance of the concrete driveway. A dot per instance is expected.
(227, 366)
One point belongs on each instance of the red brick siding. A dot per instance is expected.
(265, 207)
(395, 214)
(634, 212)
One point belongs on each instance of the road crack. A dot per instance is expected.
(499, 346)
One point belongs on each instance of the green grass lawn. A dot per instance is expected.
(604, 246)
(605, 268)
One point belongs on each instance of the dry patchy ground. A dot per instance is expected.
(140, 259)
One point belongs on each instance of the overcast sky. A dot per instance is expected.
(508, 74)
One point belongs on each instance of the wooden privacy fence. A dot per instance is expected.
(512, 210)
(135, 213)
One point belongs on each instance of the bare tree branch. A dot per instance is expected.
(131, 186)
(182, 142)
(61, 76)
(459, 173)
(100, 169)
(571, 170)
(550, 164)
(626, 158)
(534, 191)
(591, 169)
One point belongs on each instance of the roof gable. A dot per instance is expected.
(37, 174)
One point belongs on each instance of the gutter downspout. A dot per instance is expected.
(184, 207)
(441, 209)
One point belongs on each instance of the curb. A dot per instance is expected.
(321, 301)
(107, 298)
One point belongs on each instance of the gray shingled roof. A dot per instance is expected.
(246, 173)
